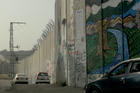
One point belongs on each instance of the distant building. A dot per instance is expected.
(5, 62)
(4, 67)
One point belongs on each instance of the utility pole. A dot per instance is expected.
(11, 46)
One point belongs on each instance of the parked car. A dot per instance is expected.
(42, 77)
(123, 78)
(20, 78)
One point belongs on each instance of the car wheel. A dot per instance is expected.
(36, 82)
(95, 91)
(12, 84)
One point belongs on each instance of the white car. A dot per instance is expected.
(20, 79)
(42, 77)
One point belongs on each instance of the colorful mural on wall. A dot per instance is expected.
(113, 33)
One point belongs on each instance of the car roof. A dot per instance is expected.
(130, 60)
(42, 72)
(20, 74)
(126, 61)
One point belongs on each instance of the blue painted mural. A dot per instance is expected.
(113, 33)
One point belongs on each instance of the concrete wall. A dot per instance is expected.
(90, 41)
(42, 59)
(71, 58)
(80, 42)
(63, 52)
(112, 31)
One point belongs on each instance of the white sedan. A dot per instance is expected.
(20, 79)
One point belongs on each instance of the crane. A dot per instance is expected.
(11, 46)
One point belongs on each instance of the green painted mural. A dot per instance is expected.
(113, 33)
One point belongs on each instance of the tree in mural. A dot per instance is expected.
(98, 29)
(103, 38)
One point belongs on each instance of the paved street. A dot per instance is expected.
(5, 87)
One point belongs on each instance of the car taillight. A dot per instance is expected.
(37, 77)
(47, 77)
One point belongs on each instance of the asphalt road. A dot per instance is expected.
(5, 87)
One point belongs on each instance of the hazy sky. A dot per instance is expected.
(36, 14)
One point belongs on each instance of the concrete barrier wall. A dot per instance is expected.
(62, 53)
(80, 43)
(41, 60)
(71, 42)
(113, 34)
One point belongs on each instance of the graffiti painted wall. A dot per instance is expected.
(113, 33)
(94, 36)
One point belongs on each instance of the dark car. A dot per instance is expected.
(123, 78)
